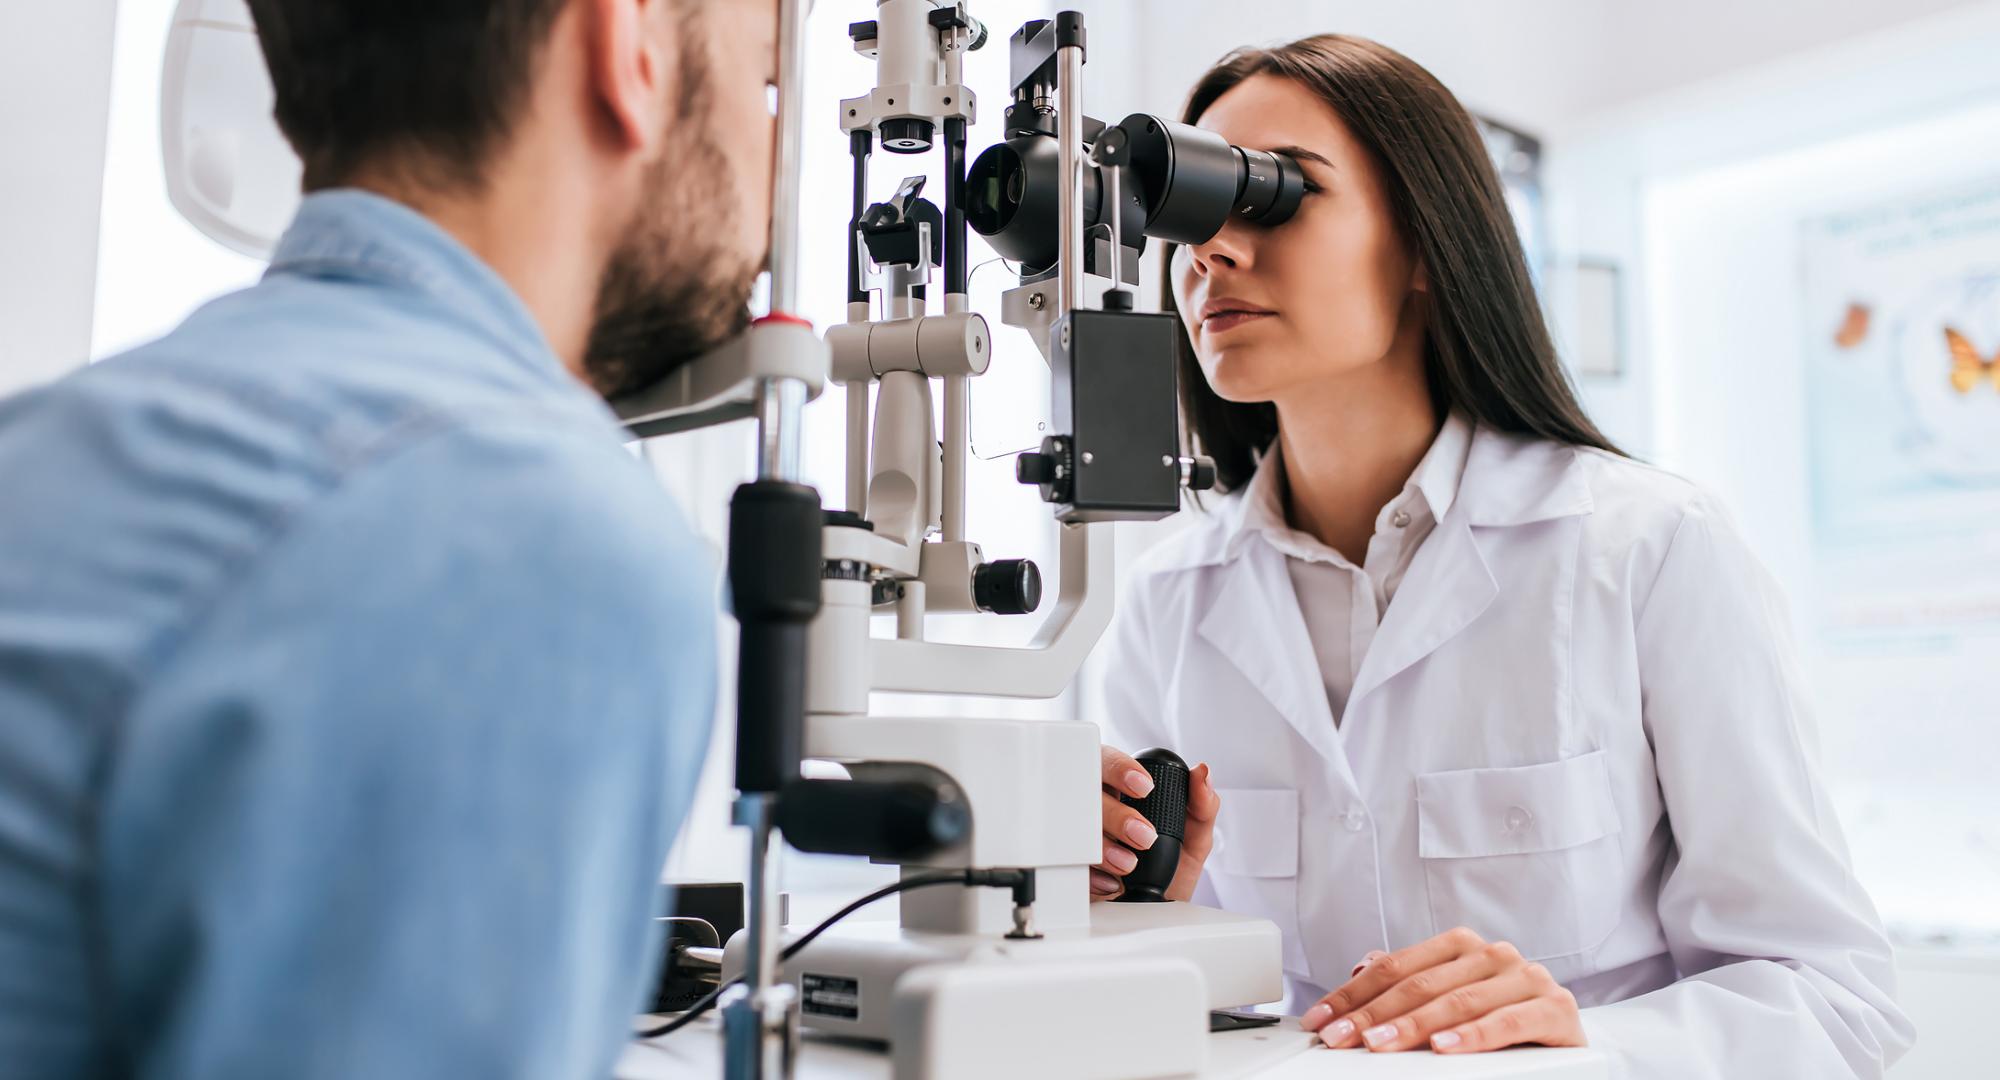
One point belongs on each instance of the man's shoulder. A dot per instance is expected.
(343, 360)
(138, 489)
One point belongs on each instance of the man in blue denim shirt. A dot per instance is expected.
(354, 678)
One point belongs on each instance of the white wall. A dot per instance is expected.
(55, 78)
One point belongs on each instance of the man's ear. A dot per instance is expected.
(630, 68)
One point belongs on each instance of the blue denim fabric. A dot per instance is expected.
(354, 680)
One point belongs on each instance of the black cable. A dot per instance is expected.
(942, 877)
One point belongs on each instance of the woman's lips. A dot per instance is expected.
(1230, 320)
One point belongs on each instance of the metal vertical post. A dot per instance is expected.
(774, 560)
(1069, 150)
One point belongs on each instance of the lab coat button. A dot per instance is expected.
(1518, 818)
(1354, 820)
(1400, 518)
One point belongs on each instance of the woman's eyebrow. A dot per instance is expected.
(1302, 154)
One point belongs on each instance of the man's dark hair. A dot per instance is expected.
(433, 85)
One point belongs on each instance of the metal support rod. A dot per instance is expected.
(760, 1020)
(860, 145)
(957, 394)
(954, 206)
(910, 611)
(785, 201)
(1069, 159)
(957, 388)
(1117, 230)
(780, 408)
(858, 436)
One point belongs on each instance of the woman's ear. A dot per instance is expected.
(1420, 278)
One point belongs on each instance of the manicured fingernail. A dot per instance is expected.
(1138, 783)
(1101, 882)
(1141, 833)
(1379, 1034)
(1121, 860)
(1315, 1016)
(1444, 1040)
(1337, 1031)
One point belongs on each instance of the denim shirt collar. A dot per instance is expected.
(356, 234)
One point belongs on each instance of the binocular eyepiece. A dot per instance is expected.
(1178, 183)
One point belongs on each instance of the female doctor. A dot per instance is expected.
(1498, 725)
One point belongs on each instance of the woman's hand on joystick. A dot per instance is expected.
(1126, 830)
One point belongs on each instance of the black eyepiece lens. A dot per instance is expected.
(1268, 186)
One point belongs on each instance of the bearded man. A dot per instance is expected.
(354, 679)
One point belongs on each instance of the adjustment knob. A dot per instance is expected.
(1048, 467)
(1200, 473)
(1035, 468)
(1007, 586)
(907, 135)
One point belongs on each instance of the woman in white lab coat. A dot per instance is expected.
(1500, 726)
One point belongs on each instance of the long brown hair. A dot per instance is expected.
(1487, 350)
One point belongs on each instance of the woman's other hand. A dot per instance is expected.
(1456, 993)
(1126, 830)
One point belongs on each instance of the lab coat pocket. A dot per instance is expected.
(1529, 855)
(1254, 866)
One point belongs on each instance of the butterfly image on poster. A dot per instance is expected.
(1968, 367)
(1853, 326)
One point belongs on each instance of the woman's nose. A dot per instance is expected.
(1229, 248)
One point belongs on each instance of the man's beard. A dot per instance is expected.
(675, 288)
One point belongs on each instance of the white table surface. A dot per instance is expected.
(1279, 1052)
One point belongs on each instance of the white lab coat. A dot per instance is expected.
(1579, 728)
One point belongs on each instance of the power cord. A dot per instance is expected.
(1021, 881)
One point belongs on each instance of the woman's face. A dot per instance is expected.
(1272, 309)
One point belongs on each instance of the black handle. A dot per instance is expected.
(1165, 807)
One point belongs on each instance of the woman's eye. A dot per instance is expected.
(1311, 188)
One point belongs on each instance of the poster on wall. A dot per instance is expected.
(1902, 324)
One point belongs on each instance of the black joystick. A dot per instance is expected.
(1166, 808)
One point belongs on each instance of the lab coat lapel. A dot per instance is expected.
(1253, 620)
(1448, 585)
(1509, 481)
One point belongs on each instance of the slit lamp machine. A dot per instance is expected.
(999, 963)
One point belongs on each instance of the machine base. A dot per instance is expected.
(1130, 993)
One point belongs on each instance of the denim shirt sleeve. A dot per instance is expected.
(390, 805)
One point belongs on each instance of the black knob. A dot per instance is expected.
(1049, 467)
(1007, 587)
(907, 135)
(1166, 808)
(1201, 474)
(1035, 468)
